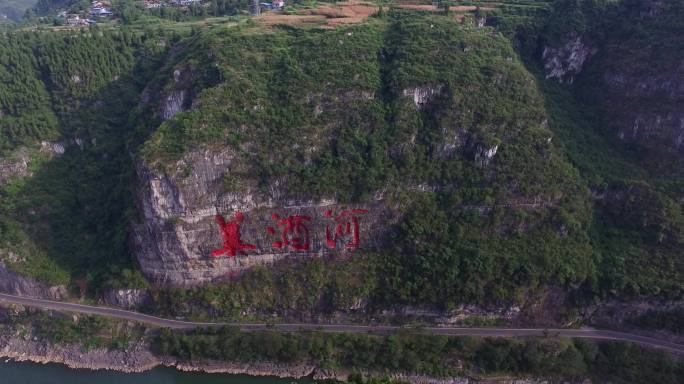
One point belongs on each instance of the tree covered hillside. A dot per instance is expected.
(559, 205)
(442, 119)
(504, 185)
(64, 101)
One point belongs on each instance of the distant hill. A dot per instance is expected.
(14, 9)
(46, 7)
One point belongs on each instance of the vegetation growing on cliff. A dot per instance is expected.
(89, 332)
(74, 92)
(347, 127)
(433, 355)
(491, 168)
(507, 185)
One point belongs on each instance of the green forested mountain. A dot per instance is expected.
(564, 204)
(14, 9)
(505, 184)
(520, 162)
(74, 89)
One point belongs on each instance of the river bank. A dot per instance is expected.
(135, 359)
(139, 358)
(32, 373)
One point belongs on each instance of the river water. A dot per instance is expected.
(31, 373)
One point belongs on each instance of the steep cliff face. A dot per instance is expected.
(126, 298)
(284, 154)
(622, 119)
(180, 242)
(565, 62)
(645, 101)
(628, 58)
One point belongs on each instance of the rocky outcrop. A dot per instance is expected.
(565, 62)
(16, 284)
(139, 358)
(646, 106)
(257, 181)
(57, 148)
(173, 103)
(177, 99)
(423, 95)
(484, 155)
(636, 75)
(180, 242)
(136, 358)
(126, 298)
(16, 164)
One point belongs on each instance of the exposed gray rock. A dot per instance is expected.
(178, 98)
(136, 358)
(16, 284)
(126, 298)
(565, 62)
(647, 107)
(484, 155)
(423, 95)
(53, 148)
(173, 103)
(178, 232)
(139, 358)
(14, 166)
(640, 88)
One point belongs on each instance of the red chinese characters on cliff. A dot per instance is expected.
(346, 227)
(231, 236)
(293, 233)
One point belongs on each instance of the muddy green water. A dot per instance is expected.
(30, 373)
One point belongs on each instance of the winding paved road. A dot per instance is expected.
(452, 331)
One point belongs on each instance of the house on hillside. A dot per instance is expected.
(153, 5)
(76, 21)
(185, 3)
(100, 12)
(277, 4)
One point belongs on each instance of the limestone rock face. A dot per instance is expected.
(423, 95)
(565, 62)
(647, 107)
(179, 241)
(248, 178)
(484, 155)
(14, 166)
(173, 103)
(125, 298)
(16, 284)
(177, 99)
(639, 83)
